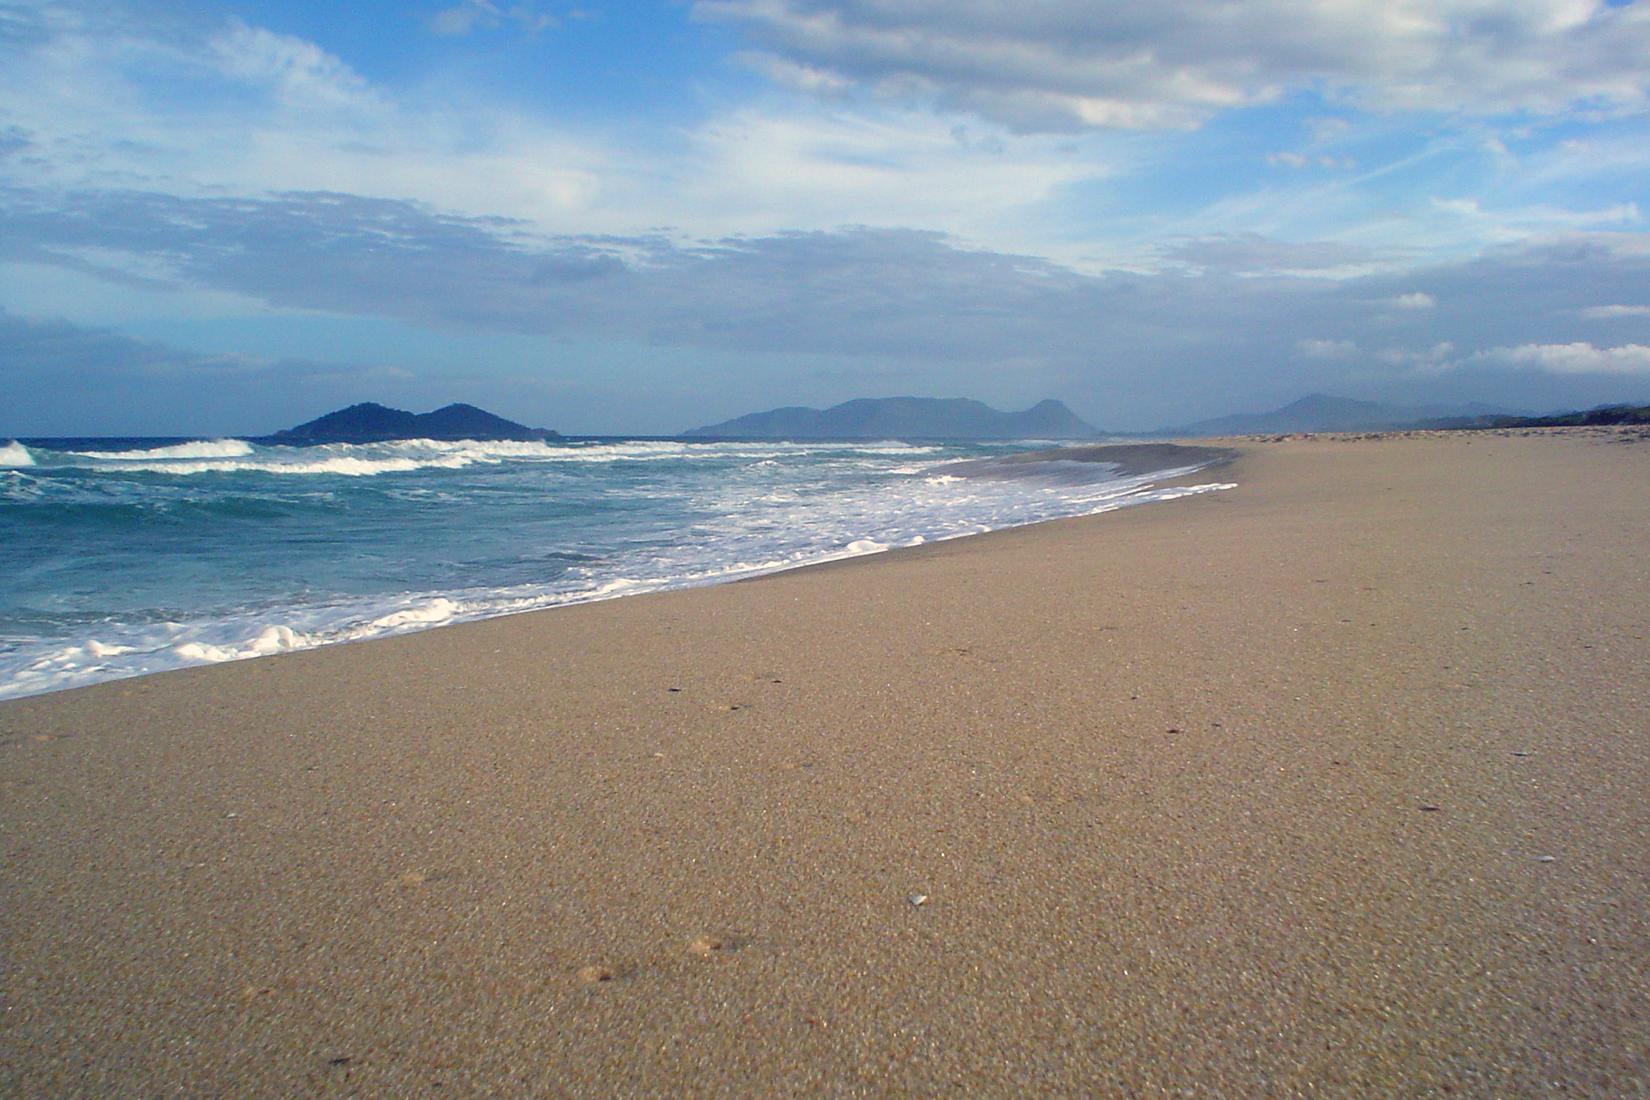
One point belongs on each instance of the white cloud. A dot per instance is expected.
(466, 17)
(1321, 132)
(758, 171)
(1437, 358)
(1414, 300)
(1610, 313)
(1324, 130)
(1519, 222)
(1254, 254)
(1326, 349)
(294, 69)
(1576, 358)
(1303, 160)
(1581, 158)
(795, 75)
(1069, 64)
(271, 112)
(99, 106)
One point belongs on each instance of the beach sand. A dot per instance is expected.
(1337, 782)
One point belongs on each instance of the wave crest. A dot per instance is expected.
(342, 465)
(14, 455)
(199, 448)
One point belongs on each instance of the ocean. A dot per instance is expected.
(120, 557)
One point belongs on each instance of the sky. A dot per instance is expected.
(640, 217)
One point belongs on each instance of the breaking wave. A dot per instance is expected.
(200, 448)
(14, 455)
(114, 575)
(238, 456)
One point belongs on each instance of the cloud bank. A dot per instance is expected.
(1072, 64)
(1577, 358)
(950, 318)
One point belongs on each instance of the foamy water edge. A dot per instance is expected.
(169, 645)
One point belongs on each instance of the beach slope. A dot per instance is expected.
(1335, 782)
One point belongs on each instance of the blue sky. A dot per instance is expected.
(640, 217)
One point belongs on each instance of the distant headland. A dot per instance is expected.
(368, 422)
(904, 418)
(1321, 413)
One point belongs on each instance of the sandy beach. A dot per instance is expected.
(1334, 783)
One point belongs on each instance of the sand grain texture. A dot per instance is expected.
(1334, 783)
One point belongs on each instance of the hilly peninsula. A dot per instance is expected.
(373, 423)
(1319, 412)
(904, 418)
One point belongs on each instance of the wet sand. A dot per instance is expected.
(1337, 782)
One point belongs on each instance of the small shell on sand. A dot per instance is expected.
(706, 945)
(595, 974)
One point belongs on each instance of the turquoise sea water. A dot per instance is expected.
(121, 557)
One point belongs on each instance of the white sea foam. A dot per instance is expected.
(341, 466)
(404, 456)
(438, 610)
(653, 450)
(366, 459)
(53, 667)
(14, 455)
(96, 648)
(200, 448)
(473, 449)
(267, 642)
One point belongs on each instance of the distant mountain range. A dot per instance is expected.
(945, 418)
(373, 423)
(1321, 413)
(904, 418)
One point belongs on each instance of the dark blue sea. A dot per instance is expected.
(122, 557)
